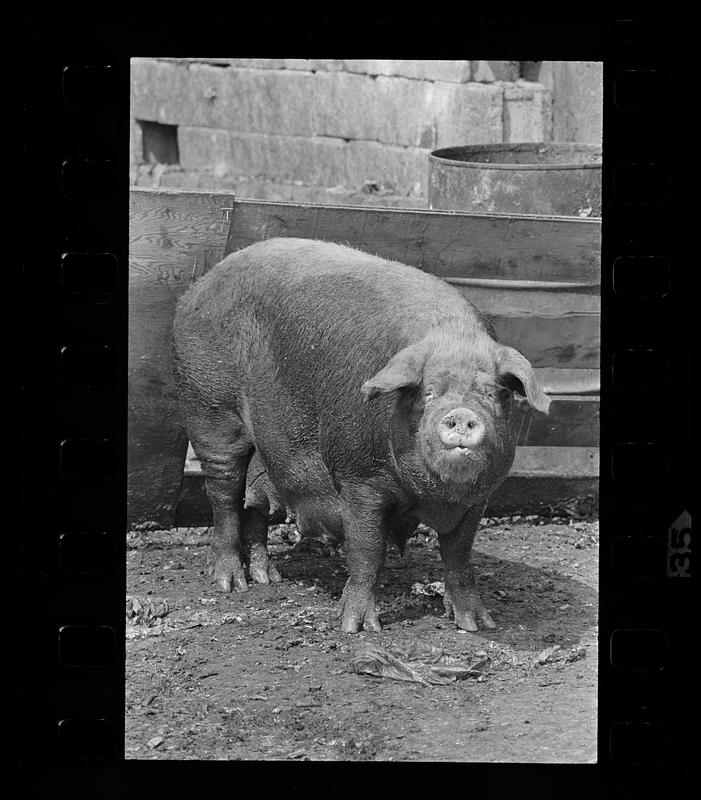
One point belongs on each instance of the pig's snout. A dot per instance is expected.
(461, 427)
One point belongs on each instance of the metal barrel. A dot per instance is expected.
(562, 179)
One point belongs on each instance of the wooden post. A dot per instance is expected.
(174, 237)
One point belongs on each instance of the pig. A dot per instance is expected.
(373, 395)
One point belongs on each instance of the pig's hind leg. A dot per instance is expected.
(224, 448)
(262, 508)
(260, 567)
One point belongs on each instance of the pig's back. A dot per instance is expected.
(329, 283)
(307, 316)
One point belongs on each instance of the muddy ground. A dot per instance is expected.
(267, 674)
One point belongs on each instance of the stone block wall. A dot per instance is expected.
(328, 130)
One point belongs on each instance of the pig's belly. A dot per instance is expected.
(303, 485)
(319, 519)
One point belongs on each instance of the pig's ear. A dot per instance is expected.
(403, 369)
(517, 374)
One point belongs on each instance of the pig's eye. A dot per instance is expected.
(429, 394)
(499, 393)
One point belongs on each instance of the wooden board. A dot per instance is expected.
(545, 494)
(556, 381)
(540, 303)
(571, 462)
(173, 237)
(572, 422)
(552, 329)
(556, 327)
(570, 342)
(449, 244)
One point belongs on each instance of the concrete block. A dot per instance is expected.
(329, 162)
(220, 62)
(346, 106)
(156, 89)
(288, 158)
(201, 95)
(306, 64)
(386, 109)
(205, 148)
(294, 193)
(259, 63)
(136, 143)
(407, 112)
(197, 179)
(490, 71)
(577, 88)
(403, 170)
(467, 114)
(195, 95)
(275, 102)
(154, 175)
(264, 189)
(290, 102)
(527, 112)
(450, 71)
(265, 101)
(314, 64)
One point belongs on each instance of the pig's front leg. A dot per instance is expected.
(366, 543)
(461, 598)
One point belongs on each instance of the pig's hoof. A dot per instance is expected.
(264, 572)
(260, 567)
(358, 612)
(353, 622)
(468, 620)
(486, 619)
(372, 623)
(226, 580)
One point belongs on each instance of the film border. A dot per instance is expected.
(79, 431)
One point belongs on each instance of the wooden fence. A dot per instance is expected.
(537, 277)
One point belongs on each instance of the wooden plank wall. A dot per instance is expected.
(174, 236)
(446, 243)
(552, 328)
(537, 277)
